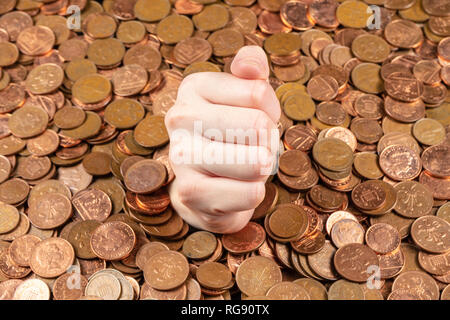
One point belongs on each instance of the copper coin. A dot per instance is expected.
(383, 238)
(299, 137)
(429, 232)
(69, 286)
(346, 265)
(294, 163)
(436, 264)
(310, 243)
(113, 240)
(51, 211)
(368, 196)
(416, 280)
(413, 199)
(79, 237)
(92, 204)
(97, 163)
(21, 249)
(199, 245)
(44, 144)
(148, 250)
(400, 163)
(145, 176)
(323, 88)
(52, 257)
(166, 270)
(435, 160)
(321, 262)
(251, 275)
(250, 238)
(213, 275)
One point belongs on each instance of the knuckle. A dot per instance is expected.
(261, 121)
(256, 194)
(187, 190)
(259, 91)
(175, 116)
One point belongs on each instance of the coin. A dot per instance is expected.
(166, 270)
(345, 257)
(250, 279)
(21, 249)
(347, 231)
(113, 240)
(420, 281)
(400, 163)
(199, 245)
(51, 257)
(345, 290)
(423, 227)
(51, 211)
(9, 218)
(152, 169)
(383, 238)
(69, 286)
(105, 286)
(32, 289)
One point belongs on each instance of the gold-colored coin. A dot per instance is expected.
(283, 44)
(124, 113)
(8, 54)
(226, 42)
(78, 68)
(28, 122)
(353, 14)
(130, 32)
(9, 218)
(414, 13)
(151, 132)
(91, 88)
(366, 77)
(174, 29)
(106, 52)
(429, 131)
(299, 107)
(44, 79)
(212, 17)
(151, 10)
(367, 165)
(333, 154)
(203, 66)
(370, 48)
(99, 25)
(89, 128)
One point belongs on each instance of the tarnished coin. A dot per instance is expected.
(347, 231)
(251, 275)
(145, 176)
(69, 286)
(199, 245)
(27, 122)
(9, 218)
(166, 270)
(413, 199)
(345, 290)
(345, 262)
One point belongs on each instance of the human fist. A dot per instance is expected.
(223, 143)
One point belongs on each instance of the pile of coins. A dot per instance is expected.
(357, 210)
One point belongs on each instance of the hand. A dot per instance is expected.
(219, 119)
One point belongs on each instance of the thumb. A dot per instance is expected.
(250, 63)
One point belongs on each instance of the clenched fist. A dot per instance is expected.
(223, 143)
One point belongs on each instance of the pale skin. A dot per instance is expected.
(221, 198)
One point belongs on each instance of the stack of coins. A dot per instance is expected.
(357, 209)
